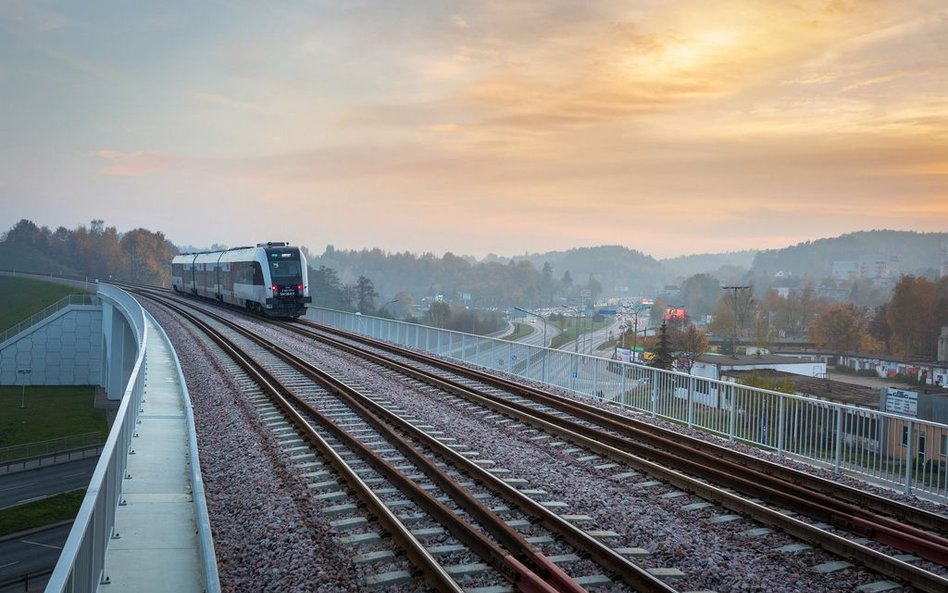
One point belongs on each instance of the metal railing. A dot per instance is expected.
(48, 447)
(66, 301)
(81, 563)
(899, 451)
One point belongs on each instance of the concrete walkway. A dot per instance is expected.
(157, 548)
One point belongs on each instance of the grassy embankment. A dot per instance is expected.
(522, 330)
(50, 412)
(22, 297)
(61, 507)
(573, 327)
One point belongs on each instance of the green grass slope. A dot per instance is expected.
(21, 297)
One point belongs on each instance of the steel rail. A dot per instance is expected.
(922, 579)
(526, 579)
(870, 507)
(416, 552)
(378, 416)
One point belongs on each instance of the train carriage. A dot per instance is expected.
(270, 279)
(182, 273)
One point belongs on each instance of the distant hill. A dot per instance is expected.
(622, 271)
(689, 265)
(614, 266)
(917, 253)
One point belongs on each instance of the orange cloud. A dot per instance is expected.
(135, 163)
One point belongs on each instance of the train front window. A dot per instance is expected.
(285, 269)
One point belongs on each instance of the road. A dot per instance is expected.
(536, 338)
(33, 553)
(20, 487)
(587, 344)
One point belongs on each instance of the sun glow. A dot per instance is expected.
(698, 49)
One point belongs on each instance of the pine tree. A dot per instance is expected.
(664, 355)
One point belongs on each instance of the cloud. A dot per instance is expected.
(136, 163)
(31, 16)
(226, 101)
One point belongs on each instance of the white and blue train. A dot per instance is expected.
(269, 279)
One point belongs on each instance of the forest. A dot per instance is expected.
(795, 301)
(93, 252)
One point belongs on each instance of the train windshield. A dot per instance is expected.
(285, 265)
(286, 268)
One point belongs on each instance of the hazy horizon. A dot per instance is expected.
(672, 128)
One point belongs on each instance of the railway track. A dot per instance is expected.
(688, 464)
(678, 459)
(403, 455)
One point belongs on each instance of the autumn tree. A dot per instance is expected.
(690, 345)
(148, 255)
(879, 328)
(439, 315)
(913, 318)
(839, 329)
(731, 315)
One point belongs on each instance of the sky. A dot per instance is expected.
(477, 127)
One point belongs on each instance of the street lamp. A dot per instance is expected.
(543, 319)
(382, 308)
(23, 373)
(636, 309)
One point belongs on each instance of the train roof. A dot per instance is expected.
(267, 244)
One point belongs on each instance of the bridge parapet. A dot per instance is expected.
(84, 563)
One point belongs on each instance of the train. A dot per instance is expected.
(269, 279)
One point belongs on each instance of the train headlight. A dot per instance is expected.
(276, 289)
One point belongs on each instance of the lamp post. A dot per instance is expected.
(543, 319)
(382, 308)
(636, 309)
(23, 373)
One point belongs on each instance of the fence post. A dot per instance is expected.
(780, 425)
(622, 370)
(595, 392)
(838, 444)
(691, 401)
(909, 458)
(655, 396)
(731, 413)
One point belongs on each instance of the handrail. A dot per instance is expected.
(81, 563)
(894, 449)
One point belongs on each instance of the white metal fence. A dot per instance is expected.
(80, 568)
(900, 451)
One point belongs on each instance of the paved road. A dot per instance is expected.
(20, 487)
(33, 553)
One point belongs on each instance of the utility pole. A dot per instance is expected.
(735, 288)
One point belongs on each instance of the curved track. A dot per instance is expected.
(713, 472)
